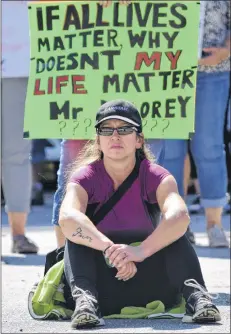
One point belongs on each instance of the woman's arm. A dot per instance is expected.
(173, 225)
(78, 228)
(175, 218)
(75, 225)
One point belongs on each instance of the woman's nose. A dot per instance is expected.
(115, 133)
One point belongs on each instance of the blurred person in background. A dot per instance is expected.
(227, 139)
(38, 159)
(191, 183)
(207, 144)
(190, 174)
(16, 165)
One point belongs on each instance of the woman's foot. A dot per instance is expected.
(87, 313)
(199, 306)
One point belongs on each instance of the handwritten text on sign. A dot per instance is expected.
(83, 55)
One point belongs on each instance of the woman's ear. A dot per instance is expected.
(140, 140)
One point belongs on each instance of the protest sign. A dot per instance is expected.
(83, 55)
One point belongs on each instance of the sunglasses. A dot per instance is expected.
(122, 131)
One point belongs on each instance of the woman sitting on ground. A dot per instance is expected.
(164, 265)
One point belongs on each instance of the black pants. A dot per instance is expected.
(159, 277)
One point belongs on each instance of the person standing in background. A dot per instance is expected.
(16, 166)
(207, 144)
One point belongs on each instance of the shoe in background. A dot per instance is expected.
(23, 245)
(217, 237)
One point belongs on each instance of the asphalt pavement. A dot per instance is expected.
(20, 272)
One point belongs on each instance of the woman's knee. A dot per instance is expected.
(208, 149)
(18, 155)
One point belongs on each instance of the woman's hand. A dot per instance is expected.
(125, 2)
(127, 272)
(217, 55)
(120, 254)
(107, 3)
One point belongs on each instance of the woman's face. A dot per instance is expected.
(119, 146)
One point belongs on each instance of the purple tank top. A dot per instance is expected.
(129, 214)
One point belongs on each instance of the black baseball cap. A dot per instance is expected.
(119, 109)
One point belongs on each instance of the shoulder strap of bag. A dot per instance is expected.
(111, 202)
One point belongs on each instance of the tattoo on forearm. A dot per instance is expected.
(79, 233)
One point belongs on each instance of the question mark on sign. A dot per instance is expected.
(75, 127)
(144, 123)
(166, 125)
(154, 125)
(62, 126)
(88, 123)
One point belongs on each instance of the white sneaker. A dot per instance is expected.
(86, 313)
(217, 237)
(199, 307)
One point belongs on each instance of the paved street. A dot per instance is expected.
(19, 272)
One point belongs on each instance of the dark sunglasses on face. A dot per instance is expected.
(122, 131)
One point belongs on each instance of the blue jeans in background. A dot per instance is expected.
(69, 151)
(207, 144)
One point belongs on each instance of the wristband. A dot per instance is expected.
(106, 249)
(106, 259)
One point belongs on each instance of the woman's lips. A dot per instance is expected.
(116, 146)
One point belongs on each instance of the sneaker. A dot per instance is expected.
(23, 245)
(195, 206)
(199, 307)
(87, 313)
(190, 235)
(217, 237)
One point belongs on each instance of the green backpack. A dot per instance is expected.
(46, 298)
(46, 301)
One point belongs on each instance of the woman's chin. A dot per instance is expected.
(116, 154)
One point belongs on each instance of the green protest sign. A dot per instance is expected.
(83, 55)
